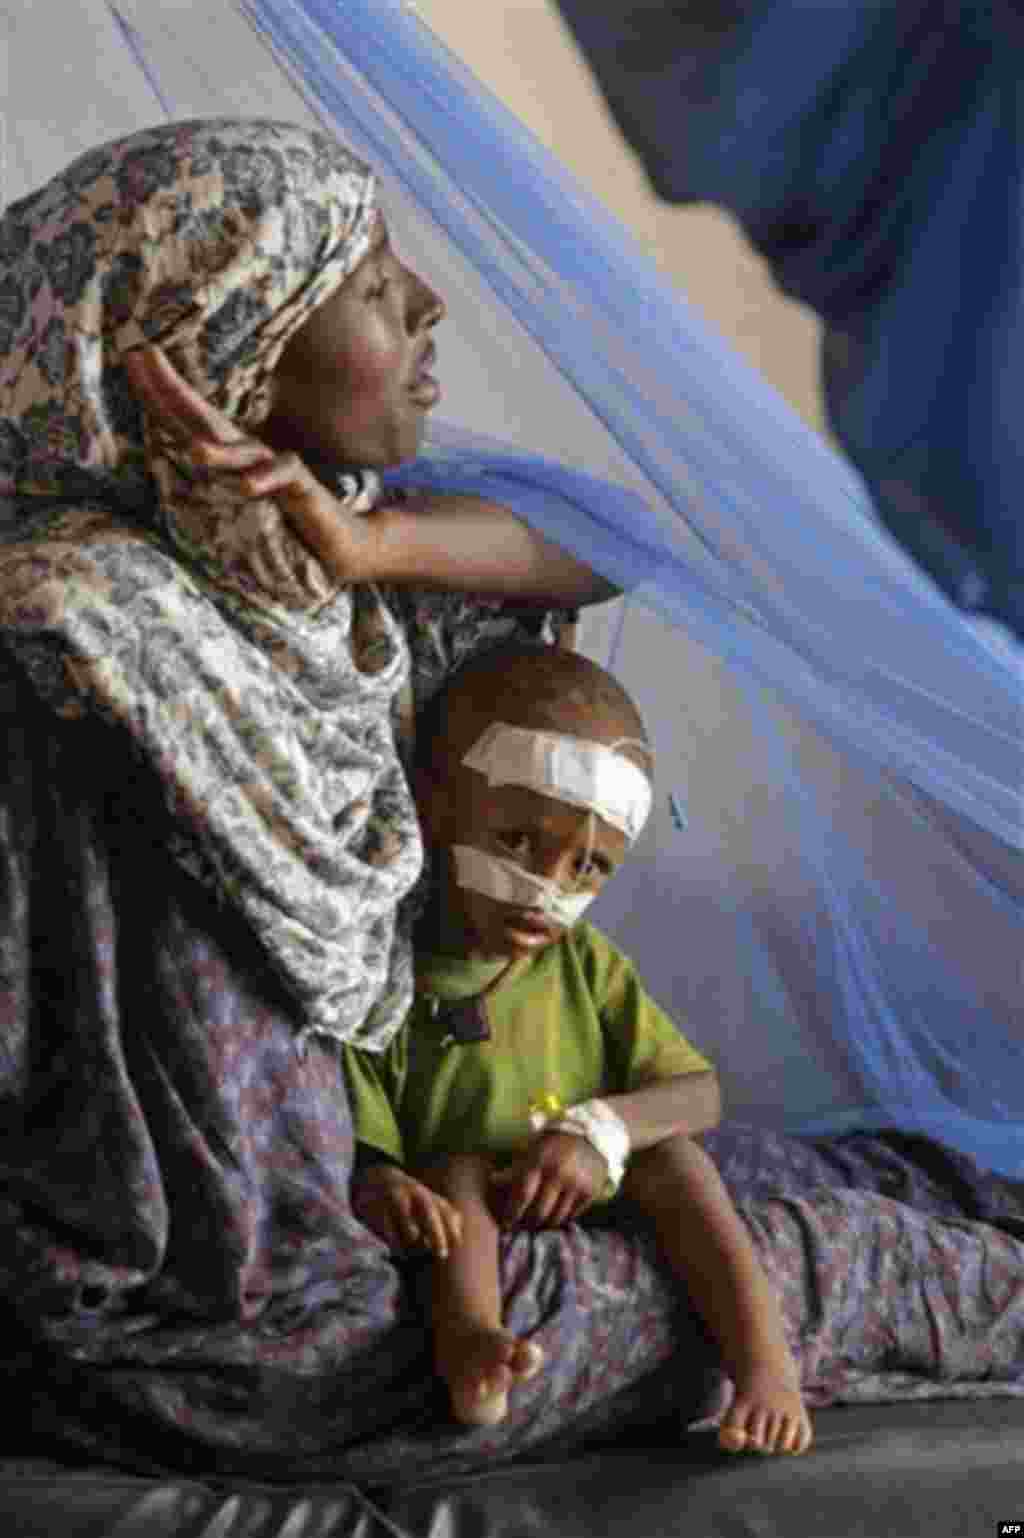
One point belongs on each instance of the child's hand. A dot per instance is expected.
(214, 444)
(550, 1184)
(404, 1212)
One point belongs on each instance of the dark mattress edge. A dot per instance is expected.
(942, 1468)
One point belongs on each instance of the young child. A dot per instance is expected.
(535, 1076)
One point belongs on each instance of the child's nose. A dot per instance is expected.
(556, 864)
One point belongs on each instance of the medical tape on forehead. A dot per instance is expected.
(571, 769)
(505, 881)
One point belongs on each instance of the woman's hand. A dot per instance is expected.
(404, 1212)
(435, 540)
(552, 1183)
(213, 444)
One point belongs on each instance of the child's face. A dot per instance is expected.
(565, 844)
(353, 385)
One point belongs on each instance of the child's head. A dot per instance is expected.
(533, 781)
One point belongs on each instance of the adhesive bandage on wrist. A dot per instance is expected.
(571, 769)
(602, 1128)
(505, 881)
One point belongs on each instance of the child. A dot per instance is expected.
(534, 1076)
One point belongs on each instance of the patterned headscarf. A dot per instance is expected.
(134, 588)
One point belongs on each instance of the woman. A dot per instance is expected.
(207, 830)
(206, 835)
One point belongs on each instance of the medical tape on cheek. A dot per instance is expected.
(505, 881)
(570, 769)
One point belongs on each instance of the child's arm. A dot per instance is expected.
(687, 1104)
(704, 1241)
(455, 542)
(403, 1212)
(559, 1176)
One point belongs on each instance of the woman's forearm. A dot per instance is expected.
(470, 545)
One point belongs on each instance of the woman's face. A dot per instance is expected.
(353, 385)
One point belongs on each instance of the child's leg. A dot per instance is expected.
(704, 1240)
(477, 1357)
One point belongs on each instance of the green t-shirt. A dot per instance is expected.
(573, 1022)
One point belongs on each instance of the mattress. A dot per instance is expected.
(942, 1469)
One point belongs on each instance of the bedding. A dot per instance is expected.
(884, 1301)
(183, 1286)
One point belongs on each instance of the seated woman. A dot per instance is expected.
(207, 832)
(206, 836)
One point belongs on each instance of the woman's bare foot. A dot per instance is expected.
(480, 1365)
(767, 1415)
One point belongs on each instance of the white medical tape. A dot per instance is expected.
(505, 881)
(571, 769)
(601, 1126)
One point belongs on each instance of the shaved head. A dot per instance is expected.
(520, 825)
(544, 688)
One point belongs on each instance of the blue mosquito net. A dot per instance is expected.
(830, 894)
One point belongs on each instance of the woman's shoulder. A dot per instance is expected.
(445, 629)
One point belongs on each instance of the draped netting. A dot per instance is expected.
(829, 894)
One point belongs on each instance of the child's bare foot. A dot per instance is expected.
(767, 1415)
(480, 1365)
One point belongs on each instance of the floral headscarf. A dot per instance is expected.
(134, 588)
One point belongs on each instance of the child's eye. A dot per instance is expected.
(515, 845)
(597, 867)
(379, 289)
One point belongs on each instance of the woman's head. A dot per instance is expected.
(228, 243)
(354, 383)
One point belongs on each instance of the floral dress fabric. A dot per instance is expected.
(204, 835)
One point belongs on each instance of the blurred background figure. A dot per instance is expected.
(871, 153)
